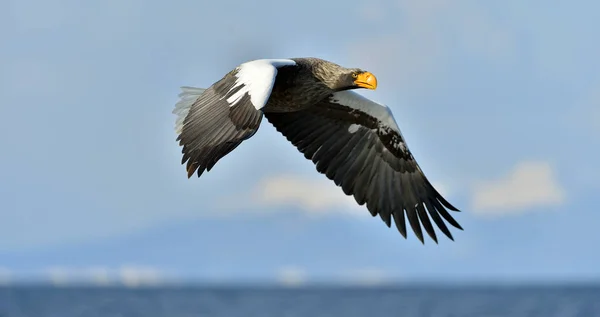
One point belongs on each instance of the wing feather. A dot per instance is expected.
(357, 144)
(213, 122)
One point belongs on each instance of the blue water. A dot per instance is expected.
(308, 302)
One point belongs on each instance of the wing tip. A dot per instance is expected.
(444, 201)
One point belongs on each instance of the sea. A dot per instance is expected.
(413, 301)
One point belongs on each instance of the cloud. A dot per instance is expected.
(314, 195)
(529, 184)
(99, 275)
(133, 276)
(127, 275)
(58, 275)
(365, 276)
(291, 276)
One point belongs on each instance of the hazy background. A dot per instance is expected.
(499, 102)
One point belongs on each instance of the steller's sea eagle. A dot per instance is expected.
(354, 141)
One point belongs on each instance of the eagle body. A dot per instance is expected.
(296, 88)
(353, 140)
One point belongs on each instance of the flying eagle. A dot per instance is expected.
(354, 141)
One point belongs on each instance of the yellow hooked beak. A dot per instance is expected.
(366, 80)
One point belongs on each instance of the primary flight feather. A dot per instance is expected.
(354, 141)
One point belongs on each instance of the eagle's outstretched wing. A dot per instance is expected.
(356, 143)
(213, 122)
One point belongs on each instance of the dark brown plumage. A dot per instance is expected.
(354, 141)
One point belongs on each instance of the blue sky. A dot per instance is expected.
(499, 102)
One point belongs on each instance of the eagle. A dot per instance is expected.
(313, 103)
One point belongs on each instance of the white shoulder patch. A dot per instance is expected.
(188, 96)
(356, 101)
(257, 78)
(353, 128)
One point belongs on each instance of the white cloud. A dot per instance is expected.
(127, 275)
(99, 275)
(133, 276)
(59, 275)
(365, 276)
(314, 195)
(529, 184)
(291, 276)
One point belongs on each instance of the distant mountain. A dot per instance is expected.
(294, 247)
